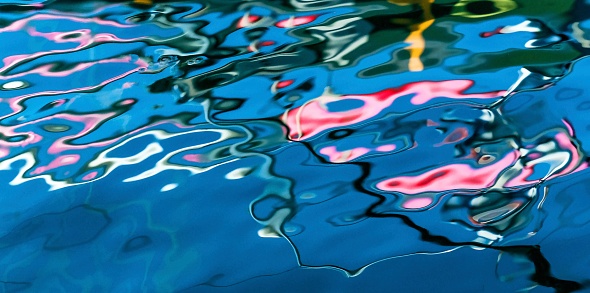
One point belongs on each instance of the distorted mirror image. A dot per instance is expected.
(295, 146)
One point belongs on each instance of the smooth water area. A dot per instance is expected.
(295, 146)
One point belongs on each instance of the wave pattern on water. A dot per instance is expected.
(183, 146)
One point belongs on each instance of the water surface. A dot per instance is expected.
(322, 146)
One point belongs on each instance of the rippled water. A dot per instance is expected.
(296, 145)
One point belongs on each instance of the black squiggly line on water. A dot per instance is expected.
(12, 286)
(209, 283)
(541, 276)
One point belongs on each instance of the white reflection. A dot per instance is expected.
(169, 187)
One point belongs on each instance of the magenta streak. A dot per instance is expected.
(450, 177)
(90, 175)
(573, 166)
(128, 84)
(32, 137)
(248, 20)
(462, 176)
(336, 156)
(45, 70)
(14, 102)
(565, 143)
(417, 203)
(83, 39)
(127, 102)
(90, 121)
(569, 127)
(57, 162)
(21, 23)
(386, 148)
(455, 136)
(314, 117)
(11, 61)
(453, 89)
(296, 21)
(63, 147)
(284, 83)
(195, 158)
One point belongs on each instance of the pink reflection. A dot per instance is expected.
(21, 23)
(453, 89)
(296, 21)
(457, 135)
(463, 176)
(386, 148)
(127, 102)
(31, 137)
(90, 175)
(573, 165)
(45, 70)
(284, 83)
(417, 203)
(13, 60)
(128, 84)
(280, 84)
(4, 152)
(450, 177)
(431, 123)
(84, 37)
(248, 20)
(566, 143)
(58, 162)
(336, 156)
(569, 127)
(90, 121)
(15, 102)
(312, 118)
(195, 158)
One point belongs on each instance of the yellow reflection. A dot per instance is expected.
(417, 44)
(143, 2)
(460, 9)
(415, 40)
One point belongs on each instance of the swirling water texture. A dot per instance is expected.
(186, 146)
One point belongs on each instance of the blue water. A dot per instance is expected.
(294, 146)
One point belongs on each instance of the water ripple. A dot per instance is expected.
(168, 146)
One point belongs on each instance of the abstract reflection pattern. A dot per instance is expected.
(187, 146)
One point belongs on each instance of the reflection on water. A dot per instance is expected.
(192, 146)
